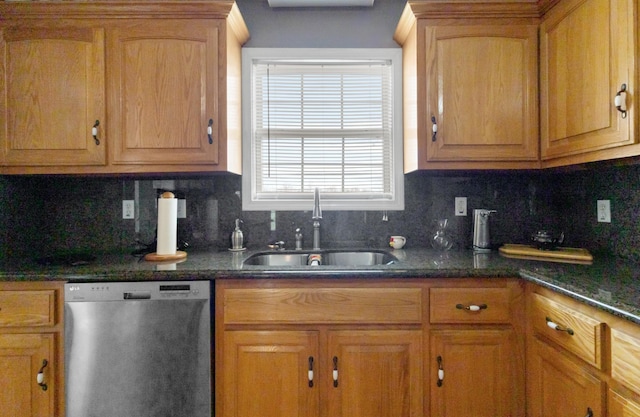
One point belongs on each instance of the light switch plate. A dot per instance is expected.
(128, 209)
(604, 211)
(461, 206)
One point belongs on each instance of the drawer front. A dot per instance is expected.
(469, 305)
(27, 308)
(571, 329)
(625, 359)
(323, 305)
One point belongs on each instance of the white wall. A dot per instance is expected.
(322, 27)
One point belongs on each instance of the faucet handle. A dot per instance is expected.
(278, 245)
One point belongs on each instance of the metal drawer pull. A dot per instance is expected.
(472, 307)
(210, 131)
(620, 102)
(310, 373)
(559, 328)
(94, 132)
(440, 371)
(589, 412)
(335, 371)
(40, 376)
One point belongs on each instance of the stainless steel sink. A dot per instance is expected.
(328, 258)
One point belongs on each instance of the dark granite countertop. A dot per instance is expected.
(609, 284)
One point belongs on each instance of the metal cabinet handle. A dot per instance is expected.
(620, 102)
(210, 131)
(559, 328)
(440, 371)
(434, 129)
(472, 307)
(589, 412)
(94, 132)
(335, 371)
(310, 372)
(40, 376)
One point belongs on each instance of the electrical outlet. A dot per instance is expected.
(128, 209)
(461, 206)
(182, 208)
(604, 211)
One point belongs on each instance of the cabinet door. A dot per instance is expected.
(266, 373)
(51, 95)
(619, 406)
(559, 386)
(586, 54)
(475, 372)
(163, 92)
(482, 93)
(375, 373)
(21, 357)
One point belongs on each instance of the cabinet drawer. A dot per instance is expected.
(469, 305)
(27, 308)
(573, 330)
(625, 359)
(323, 305)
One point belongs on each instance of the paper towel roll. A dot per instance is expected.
(167, 224)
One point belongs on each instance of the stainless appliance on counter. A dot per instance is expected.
(138, 349)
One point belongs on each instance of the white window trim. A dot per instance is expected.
(304, 202)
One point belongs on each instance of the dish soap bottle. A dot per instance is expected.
(237, 238)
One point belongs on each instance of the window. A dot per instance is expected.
(322, 118)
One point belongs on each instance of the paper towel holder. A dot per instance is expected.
(155, 256)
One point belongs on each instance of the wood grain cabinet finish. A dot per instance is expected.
(470, 88)
(316, 348)
(163, 91)
(159, 81)
(52, 93)
(31, 342)
(573, 330)
(560, 386)
(371, 346)
(588, 365)
(587, 54)
(477, 349)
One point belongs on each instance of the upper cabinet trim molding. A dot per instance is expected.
(134, 9)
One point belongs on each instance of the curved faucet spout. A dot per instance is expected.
(316, 217)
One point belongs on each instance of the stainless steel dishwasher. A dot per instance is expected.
(138, 349)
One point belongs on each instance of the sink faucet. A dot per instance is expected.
(316, 217)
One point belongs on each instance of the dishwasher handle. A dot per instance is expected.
(139, 295)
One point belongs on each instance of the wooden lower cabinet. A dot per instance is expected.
(374, 373)
(363, 348)
(21, 358)
(31, 344)
(282, 373)
(561, 386)
(318, 349)
(266, 373)
(621, 405)
(475, 372)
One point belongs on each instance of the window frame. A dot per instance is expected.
(303, 201)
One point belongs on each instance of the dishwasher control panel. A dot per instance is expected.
(137, 291)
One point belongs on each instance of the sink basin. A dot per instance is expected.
(329, 258)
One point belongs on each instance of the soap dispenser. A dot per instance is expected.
(237, 238)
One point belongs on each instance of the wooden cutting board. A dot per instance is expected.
(560, 254)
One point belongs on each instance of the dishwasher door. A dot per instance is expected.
(138, 349)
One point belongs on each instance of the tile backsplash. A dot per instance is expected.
(42, 215)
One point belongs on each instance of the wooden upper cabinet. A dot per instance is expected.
(52, 93)
(586, 56)
(162, 78)
(163, 91)
(474, 80)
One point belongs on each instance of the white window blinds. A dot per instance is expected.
(323, 123)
